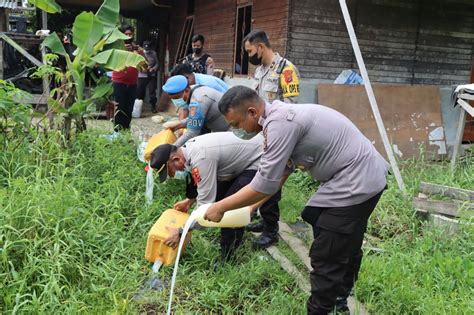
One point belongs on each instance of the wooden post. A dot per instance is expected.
(370, 94)
(44, 26)
(3, 28)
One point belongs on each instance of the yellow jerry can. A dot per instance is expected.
(156, 249)
(163, 137)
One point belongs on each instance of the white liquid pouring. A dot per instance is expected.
(231, 219)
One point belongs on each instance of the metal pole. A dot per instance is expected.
(370, 94)
(459, 135)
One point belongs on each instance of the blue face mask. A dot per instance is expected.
(180, 174)
(180, 102)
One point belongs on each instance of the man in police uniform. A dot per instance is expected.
(327, 145)
(199, 78)
(202, 104)
(200, 61)
(220, 164)
(276, 78)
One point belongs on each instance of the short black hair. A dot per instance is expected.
(256, 37)
(181, 69)
(127, 27)
(197, 38)
(237, 96)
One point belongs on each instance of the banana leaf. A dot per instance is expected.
(49, 6)
(108, 14)
(118, 60)
(87, 31)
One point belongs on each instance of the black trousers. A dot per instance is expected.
(143, 84)
(336, 252)
(124, 95)
(232, 238)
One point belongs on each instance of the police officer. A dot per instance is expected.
(327, 145)
(276, 78)
(199, 78)
(220, 164)
(202, 104)
(199, 61)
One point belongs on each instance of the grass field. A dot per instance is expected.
(73, 228)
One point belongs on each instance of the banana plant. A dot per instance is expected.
(99, 43)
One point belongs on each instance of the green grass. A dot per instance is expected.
(73, 227)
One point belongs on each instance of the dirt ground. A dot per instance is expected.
(144, 126)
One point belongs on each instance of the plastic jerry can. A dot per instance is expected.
(163, 137)
(155, 246)
(232, 219)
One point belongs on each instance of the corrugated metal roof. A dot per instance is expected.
(13, 4)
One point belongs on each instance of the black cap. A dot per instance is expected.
(146, 44)
(159, 160)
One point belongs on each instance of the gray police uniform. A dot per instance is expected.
(221, 164)
(219, 156)
(277, 81)
(352, 176)
(203, 113)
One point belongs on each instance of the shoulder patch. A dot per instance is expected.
(289, 81)
(196, 176)
(195, 118)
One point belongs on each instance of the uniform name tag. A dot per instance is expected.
(290, 116)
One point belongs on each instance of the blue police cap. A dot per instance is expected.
(175, 84)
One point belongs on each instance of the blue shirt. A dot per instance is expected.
(211, 81)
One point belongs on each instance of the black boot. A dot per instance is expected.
(341, 307)
(266, 239)
(255, 227)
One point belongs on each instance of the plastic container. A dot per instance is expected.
(156, 249)
(349, 77)
(137, 109)
(231, 219)
(163, 137)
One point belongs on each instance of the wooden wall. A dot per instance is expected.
(402, 41)
(216, 21)
(176, 21)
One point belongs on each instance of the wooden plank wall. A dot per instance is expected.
(216, 21)
(177, 16)
(402, 41)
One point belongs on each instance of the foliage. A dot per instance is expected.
(15, 112)
(73, 231)
(96, 39)
(49, 6)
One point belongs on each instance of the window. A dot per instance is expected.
(190, 7)
(243, 27)
(184, 46)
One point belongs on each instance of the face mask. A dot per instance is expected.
(243, 134)
(197, 51)
(180, 174)
(255, 60)
(180, 102)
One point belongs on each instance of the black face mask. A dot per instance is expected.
(128, 41)
(197, 51)
(255, 60)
